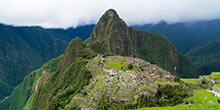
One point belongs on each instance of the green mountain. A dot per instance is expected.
(178, 34)
(106, 70)
(194, 39)
(24, 49)
(112, 35)
(206, 57)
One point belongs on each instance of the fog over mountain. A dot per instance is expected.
(67, 13)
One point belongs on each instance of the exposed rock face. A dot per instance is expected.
(111, 34)
(115, 82)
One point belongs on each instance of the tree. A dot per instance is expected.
(130, 66)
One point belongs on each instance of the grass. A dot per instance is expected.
(134, 68)
(200, 95)
(121, 65)
(191, 80)
(187, 107)
(207, 76)
(169, 83)
(116, 65)
(216, 75)
(217, 85)
(146, 88)
(122, 62)
(78, 95)
(118, 60)
(29, 102)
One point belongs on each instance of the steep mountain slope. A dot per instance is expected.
(70, 77)
(24, 93)
(111, 34)
(178, 34)
(206, 57)
(24, 49)
(190, 37)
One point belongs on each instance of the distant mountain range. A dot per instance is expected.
(198, 40)
(24, 49)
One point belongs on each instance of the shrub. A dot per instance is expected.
(165, 96)
(176, 78)
(130, 66)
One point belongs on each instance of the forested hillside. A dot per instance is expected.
(24, 49)
(199, 40)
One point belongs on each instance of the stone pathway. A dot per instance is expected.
(216, 94)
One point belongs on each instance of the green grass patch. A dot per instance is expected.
(216, 75)
(118, 60)
(146, 88)
(207, 76)
(122, 62)
(78, 95)
(191, 80)
(187, 107)
(134, 68)
(169, 83)
(217, 85)
(200, 95)
(115, 65)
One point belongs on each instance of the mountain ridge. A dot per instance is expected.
(188, 38)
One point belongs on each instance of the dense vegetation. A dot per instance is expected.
(53, 85)
(24, 49)
(70, 78)
(165, 96)
(206, 57)
(24, 93)
(60, 88)
(199, 40)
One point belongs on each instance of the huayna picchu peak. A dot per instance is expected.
(110, 14)
(117, 67)
(112, 35)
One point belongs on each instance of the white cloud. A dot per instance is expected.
(65, 13)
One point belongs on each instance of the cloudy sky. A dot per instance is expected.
(66, 13)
